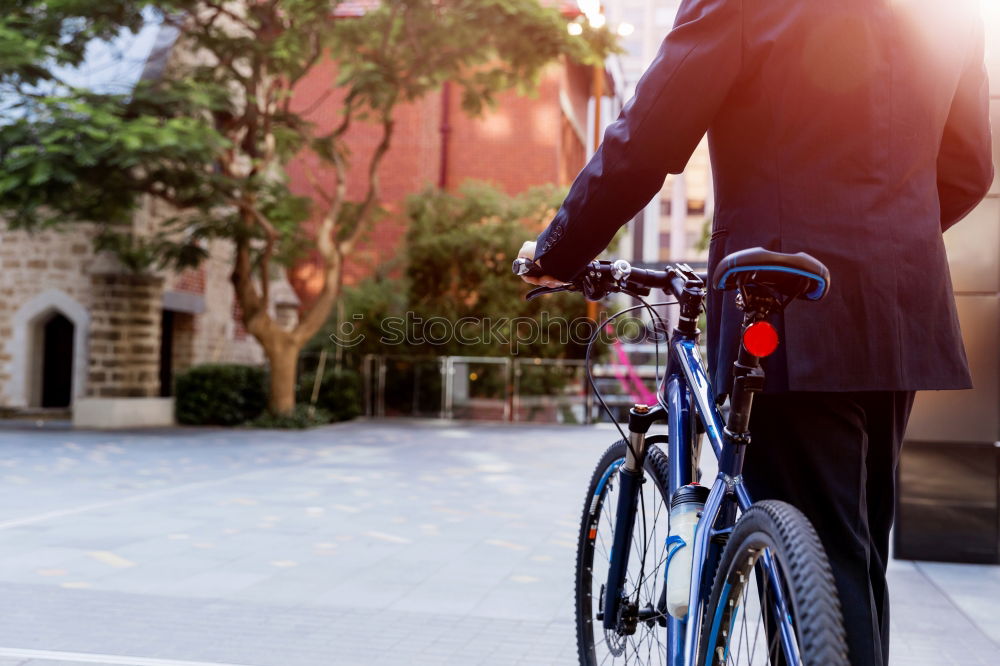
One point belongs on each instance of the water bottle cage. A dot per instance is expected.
(677, 542)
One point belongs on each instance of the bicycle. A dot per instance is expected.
(762, 579)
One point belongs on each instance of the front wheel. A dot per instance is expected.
(641, 637)
(773, 601)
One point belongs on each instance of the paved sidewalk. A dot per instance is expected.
(365, 543)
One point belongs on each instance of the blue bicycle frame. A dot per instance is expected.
(687, 394)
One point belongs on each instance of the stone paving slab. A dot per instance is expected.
(266, 634)
(364, 543)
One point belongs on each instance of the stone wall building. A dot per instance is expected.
(74, 325)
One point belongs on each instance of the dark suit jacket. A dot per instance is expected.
(855, 130)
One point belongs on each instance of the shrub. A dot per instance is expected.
(220, 394)
(339, 393)
(298, 419)
(458, 250)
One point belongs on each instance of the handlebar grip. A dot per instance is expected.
(523, 266)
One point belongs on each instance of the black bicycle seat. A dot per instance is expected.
(774, 268)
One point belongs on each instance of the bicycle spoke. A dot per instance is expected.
(645, 546)
(765, 601)
(659, 564)
(744, 606)
(604, 548)
(773, 647)
(655, 541)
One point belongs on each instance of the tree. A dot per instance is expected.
(451, 293)
(455, 266)
(458, 252)
(212, 138)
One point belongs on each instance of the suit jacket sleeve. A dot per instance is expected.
(674, 103)
(964, 165)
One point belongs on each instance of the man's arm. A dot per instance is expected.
(674, 103)
(965, 163)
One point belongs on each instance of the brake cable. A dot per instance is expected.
(590, 372)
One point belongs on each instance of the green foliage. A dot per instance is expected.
(459, 249)
(213, 139)
(230, 395)
(456, 265)
(299, 419)
(220, 394)
(406, 48)
(85, 158)
(204, 140)
(339, 393)
(363, 310)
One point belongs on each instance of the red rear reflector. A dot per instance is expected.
(760, 339)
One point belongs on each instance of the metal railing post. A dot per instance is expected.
(366, 384)
(380, 405)
(443, 369)
(516, 395)
(451, 387)
(508, 393)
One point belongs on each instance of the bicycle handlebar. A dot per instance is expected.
(601, 278)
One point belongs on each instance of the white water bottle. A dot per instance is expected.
(685, 511)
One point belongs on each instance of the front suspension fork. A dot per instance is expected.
(630, 478)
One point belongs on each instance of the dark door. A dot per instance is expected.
(57, 362)
(167, 354)
(947, 507)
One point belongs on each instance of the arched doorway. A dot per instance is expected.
(57, 361)
(49, 351)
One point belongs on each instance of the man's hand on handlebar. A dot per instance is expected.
(601, 277)
(527, 251)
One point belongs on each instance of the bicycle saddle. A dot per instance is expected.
(774, 268)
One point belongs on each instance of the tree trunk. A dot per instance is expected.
(283, 356)
(282, 346)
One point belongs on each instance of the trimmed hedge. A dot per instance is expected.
(220, 394)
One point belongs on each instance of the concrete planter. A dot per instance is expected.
(115, 413)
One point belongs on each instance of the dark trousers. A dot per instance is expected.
(834, 456)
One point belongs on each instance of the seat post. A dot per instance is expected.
(748, 379)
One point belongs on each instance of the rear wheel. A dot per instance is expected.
(641, 638)
(773, 566)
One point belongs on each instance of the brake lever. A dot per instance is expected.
(542, 291)
(635, 291)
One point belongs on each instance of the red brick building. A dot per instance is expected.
(525, 141)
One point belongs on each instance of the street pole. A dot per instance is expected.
(598, 90)
(598, 99)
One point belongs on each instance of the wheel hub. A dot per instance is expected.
(628, 617)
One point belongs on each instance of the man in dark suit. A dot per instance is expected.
(856, 131)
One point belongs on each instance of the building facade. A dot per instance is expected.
(77, 332)
(75, 325)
